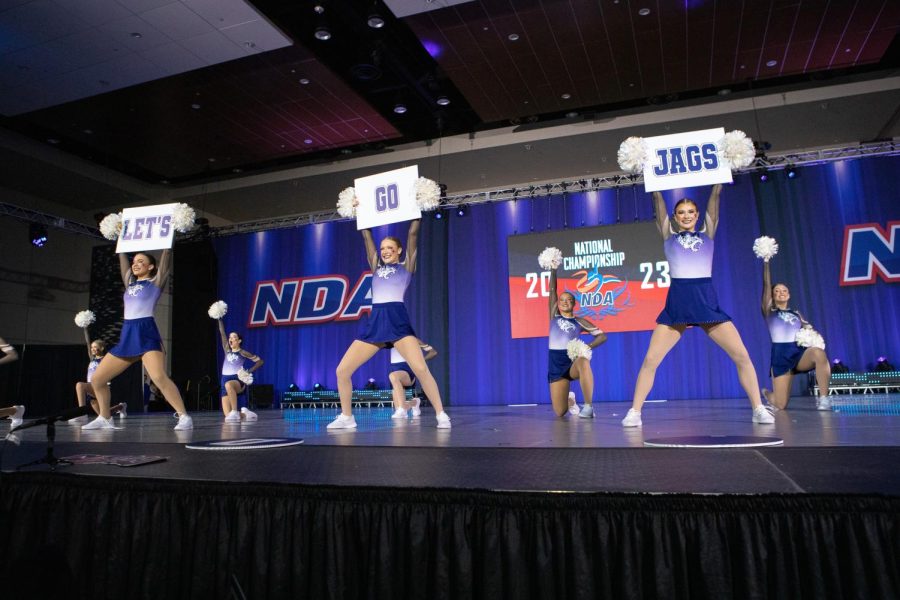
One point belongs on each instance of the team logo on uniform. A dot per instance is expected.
(134, 290)
(788, 317)
(233, 357)
(690, 241)
(870, 250)
(565, 325)
(385, 271)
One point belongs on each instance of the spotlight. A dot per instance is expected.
(38, 235)
(293, 388)
(318, 387)
(882, 365)
(462, 210)
(370, 384)
(322, 33)
(790, 172)
(438, 215)
(839, 367)
(763, 176)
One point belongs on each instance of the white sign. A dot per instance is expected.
(146, 228)
(683, 160)
(388, 197)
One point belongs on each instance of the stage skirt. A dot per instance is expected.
(559, 365)
(692, 302)
(138, 336)
(785, 357)
(226, 378)
(388, 323)
(402, 366)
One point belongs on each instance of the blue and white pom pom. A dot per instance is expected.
(737, 149)
(428, 193)
(765, 247)
(550, 258)
(85, 318)
(111, 226)
(183, 218)
(632, 155)
(345, 206)
(217, 309)
(810, 338)
(245, 376)
(578, 349)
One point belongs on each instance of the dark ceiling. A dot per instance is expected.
(498, 62)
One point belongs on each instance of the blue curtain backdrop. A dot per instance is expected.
(459, 300)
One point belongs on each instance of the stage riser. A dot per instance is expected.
(100, 537)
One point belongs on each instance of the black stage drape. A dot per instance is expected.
(97, 537)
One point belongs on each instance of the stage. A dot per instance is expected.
(402, 509)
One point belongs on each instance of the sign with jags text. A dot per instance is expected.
(684, 160)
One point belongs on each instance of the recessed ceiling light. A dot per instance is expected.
(644, 12)
(211, 159)
(195, 106)
(571, 115)
(322, 33)
(375, 21)
(566, 96)
(164, 181)
(88, 131)
(304, 81)
(346, 151)
(136, 34)
(630, 85)
(724, 91)
(52, 141)
(237, 170)
(307, 141)
(443, 100)
(249, 44)
(771, 63)
(400, 109)
(513, 37)
(319, 9)
(847, 50)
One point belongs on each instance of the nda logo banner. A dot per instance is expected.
(310, 300)
(684, 160)
(870, 251)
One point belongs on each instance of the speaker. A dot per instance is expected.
(261, 395)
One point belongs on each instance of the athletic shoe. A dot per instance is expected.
(16, 419)
(761, 415)
(232, 417)
(343, 422)
(443, 420)
(78, 420)
(249, 415)
(416, 407)
(99, 423)
(586, 412)
(185, 422)
(123, 410)
(632, 419)
(771, 408)
(823, 403)
(399, 414)
(573, 405)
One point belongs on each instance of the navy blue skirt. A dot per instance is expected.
(785, 357)
(226, 378)
(402, 366)
(692, 302)
(559, 366)
(138, 336)
(388, 323)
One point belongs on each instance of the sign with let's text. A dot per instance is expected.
(388, 197)
(146, 228)
(683, 160)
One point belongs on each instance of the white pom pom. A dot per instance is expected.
(428, 193)
(810, 338)
(737, 149)
(765, 247)
(632, 155)
(550, 258)
(111, 226)
(217, 309)
(85, 318)
(345, 206)
(183, 218)
(578, 349)
(245, 376)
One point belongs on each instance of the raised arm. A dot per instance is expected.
(371, 251)
(223, 335)
(554, 298)
(766, 305)
(712, 210)
(412, 242)
(87, 341)
(662, 215)
(163, 267)
(9, 353)
(125, 268)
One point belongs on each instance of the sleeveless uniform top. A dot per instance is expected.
(92, 366)
(141, 298)
(690, 255)
(563, 330)
(389, 283)
(783, 325)
(234, 362)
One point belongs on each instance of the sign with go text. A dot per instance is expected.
(388, 197)
(684, 160)
(146, 228)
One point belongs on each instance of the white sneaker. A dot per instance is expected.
(573, 405)
(99, 423)
(78, 420)
(343, 422)
(416, 407)
(586, 412)
(823, 403)
(16, 419)
(232, 417)
(761, 415)
(185, 422)
(632, 419)
(249, 415)
(399, 414)
(443, 420)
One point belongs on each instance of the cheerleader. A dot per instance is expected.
(788, 357)
(84, 391)
(388, 325)
(234, 375)
(692, 301)
(402, 377)
(140, 339)
(15, 413)
(564, 328)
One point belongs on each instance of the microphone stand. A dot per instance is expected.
(49, 458)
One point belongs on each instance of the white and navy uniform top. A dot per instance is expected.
(141, 296)
(565, 329)
(389, 283)
(389, 320)
(783, 325)
(139, 331)
(92, 366)
(690, 254)
(233, 363)
(691, 299)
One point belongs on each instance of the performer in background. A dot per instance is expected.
(402, 377)
(14, 413)
(562, 370)
(788, 357)
(234, 376)
(140, 338)
(84, 391)
(388, 325)
(692, 301)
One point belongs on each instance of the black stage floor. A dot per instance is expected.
(508, 448)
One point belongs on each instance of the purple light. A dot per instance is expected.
(882, 359)
(836, 361)
(432, 48)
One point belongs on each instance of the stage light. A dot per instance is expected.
(438, 215)
(790, 172)
(763, 176)
(370, 384)
(293, 388)
(882, 365)
(38, 235)
(318, 387)
(839, 367)
(462, 210)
